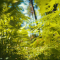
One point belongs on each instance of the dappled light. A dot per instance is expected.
(30, 30)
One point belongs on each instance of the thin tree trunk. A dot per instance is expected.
(32, 9)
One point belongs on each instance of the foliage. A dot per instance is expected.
(14, 40)
(10, 23)
(49, 43)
